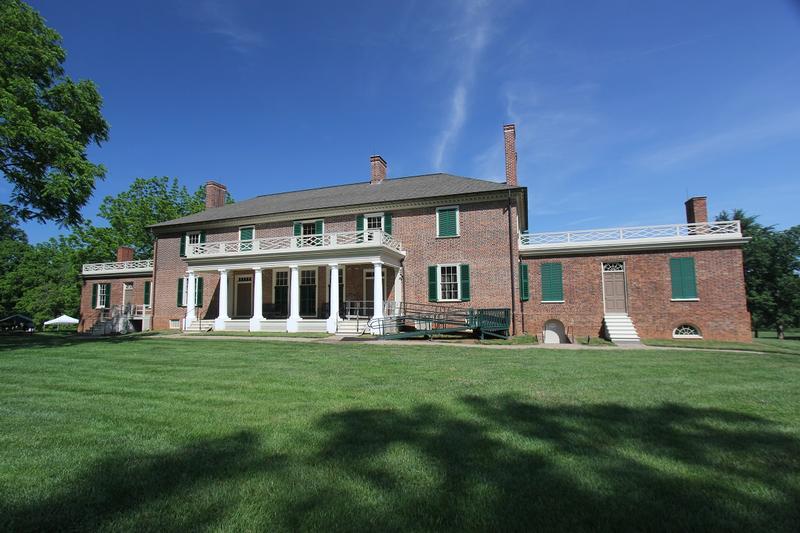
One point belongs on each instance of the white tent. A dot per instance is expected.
(63, 320)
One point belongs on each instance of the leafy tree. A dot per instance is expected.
(147, 201)
(47, 121)
(771, 271)
(47, 281)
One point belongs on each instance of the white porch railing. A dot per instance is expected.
(349, 239)
(118, 267)
(640, 233)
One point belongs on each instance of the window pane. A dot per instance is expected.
(281, 279)
(375, 222)
(193, 238)
(309, 228)
(308, 277)
(448, 281)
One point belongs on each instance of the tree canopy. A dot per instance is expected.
(47, 121)
(771, 271)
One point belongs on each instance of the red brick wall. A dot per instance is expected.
(483, 245)
(720, 313)
(88, 315)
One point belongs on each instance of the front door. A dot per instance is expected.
(614, 288)
(244, 296)
(308, 293)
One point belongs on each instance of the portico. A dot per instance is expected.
(301, 290)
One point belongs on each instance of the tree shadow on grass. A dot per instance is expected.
(138, 487)
(509, 464)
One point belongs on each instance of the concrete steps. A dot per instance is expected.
(201, 325)
(620, 329)
(351, 327)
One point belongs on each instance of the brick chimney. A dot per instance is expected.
(124, 253)
(696, 210)
(215, 194)
(510, 141)
(378, 169)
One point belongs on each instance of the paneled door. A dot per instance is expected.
(244, 296)
(614, 288)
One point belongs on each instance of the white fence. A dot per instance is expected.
(663, 232)
(348, 239)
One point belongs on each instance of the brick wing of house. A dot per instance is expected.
(333, 259)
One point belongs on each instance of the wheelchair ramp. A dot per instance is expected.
(410, 320)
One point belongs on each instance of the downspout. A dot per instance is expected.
(511, 268)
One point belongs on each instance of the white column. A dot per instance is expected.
(398, 285)
(222, 316)
(258, 297)
(377, 289)
(294, 299)
(333, 319)
(190, 312)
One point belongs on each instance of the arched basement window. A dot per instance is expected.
(686, 331)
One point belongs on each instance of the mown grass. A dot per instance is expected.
(145, 433)
(758, 345)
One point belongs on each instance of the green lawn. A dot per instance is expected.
(768, 345)
(149, 433)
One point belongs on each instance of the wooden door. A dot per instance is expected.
(244, 298)
(614, 290)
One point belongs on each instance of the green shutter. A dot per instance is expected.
(683, 277)
(183, 245)
(552, 284)
(318, 227)
(202, 237)
(198, 292)
(524, 289)
(465, 295)
(298, 229)
(245, 234)
(448, 222)
(94, 295)
(432, 282)
(180, 292)
(360, 223)
(146, 293)
(107, 303)
(387, 223)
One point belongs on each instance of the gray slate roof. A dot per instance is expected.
(391, 190)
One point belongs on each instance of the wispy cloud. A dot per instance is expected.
(221, 18)
(471, 38)
(744, 135)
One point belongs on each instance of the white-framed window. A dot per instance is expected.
(193, 237)
(102, 295)
(308, 277)
(448, 223)
(309, 228)
(686, 331)
(174, 324)
(373, 221)
(281, 278)
(449, 283)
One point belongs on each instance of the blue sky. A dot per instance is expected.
(622, 107)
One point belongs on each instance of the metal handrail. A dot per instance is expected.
(664, 231)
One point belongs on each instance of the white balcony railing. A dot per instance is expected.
(325, 241)
(600, 237)
(143, 265)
